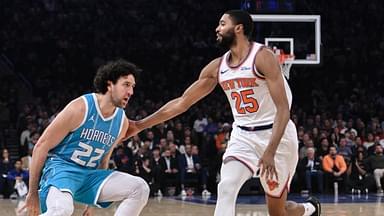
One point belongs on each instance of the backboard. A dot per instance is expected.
(298, 35)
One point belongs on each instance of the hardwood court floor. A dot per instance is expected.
(172, 207)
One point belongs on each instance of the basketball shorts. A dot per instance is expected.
(248, 147)
(83, 184)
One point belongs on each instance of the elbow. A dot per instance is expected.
(40, 148)
(183, 109)
(182, 106)
(284, 112)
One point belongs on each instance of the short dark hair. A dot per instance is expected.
(242, 17)
(112, 71)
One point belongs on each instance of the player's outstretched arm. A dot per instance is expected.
(267, 64)
(200, 88)
(66, 121)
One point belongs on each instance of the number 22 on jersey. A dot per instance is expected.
(245, 97)
(86, 153)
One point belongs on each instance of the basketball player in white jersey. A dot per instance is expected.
(263, 136)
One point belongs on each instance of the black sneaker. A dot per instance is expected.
(316, 203)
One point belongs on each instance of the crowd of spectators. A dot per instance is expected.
(338, 106)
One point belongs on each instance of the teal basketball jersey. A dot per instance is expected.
(87, 144)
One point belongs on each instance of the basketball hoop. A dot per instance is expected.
(286, 61)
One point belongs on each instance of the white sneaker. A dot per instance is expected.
(183, 193)
(206, 193)
(13, 196)
(380, 191)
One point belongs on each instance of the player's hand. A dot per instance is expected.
(88, 211)
(132, 129)
(31, 204)
(267, 166)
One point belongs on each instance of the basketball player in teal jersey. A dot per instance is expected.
(72, 154)
(263, 137)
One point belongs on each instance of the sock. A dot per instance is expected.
(308, 209)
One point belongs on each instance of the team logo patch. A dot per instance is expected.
(245, 68)
(272, 184)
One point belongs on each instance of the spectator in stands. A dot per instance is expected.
(187, 141)
(175, 153)
(303, 150)
(170, 137)
(324, 148)
(156, 170)
(150, 139)
(190, 169)
(358, 144)
(359, 177)
(26, 160)
(376, 166)
(25, 138)
(335, 136)
(187, 132)
(135, 143)
(311, 166)
(204, 172)
(369, 142)
(316, 136)
(144, 170)
(372, 149)
(198, 126)
(162, 144)
(349, 128)
(5, 166)
(170, 171)
(18, 179)
(335, 169)
(345, 150)
(304, 140)
(178, 133)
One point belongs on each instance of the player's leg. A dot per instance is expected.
(276, 206)
(58, 203)
(277, 190)
(233, 175)
(131, 190)
(279, 206)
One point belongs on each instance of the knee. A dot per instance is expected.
(142, 190)
(226, 186)
(376, 172)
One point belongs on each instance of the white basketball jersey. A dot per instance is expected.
(247, 90)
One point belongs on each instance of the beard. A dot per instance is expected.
(118, 103)
(227, 39)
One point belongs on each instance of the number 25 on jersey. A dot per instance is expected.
(245, 97)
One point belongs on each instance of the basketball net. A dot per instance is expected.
(285, 61)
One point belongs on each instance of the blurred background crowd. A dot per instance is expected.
(50, 50)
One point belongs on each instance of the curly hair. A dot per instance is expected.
(112, 71)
